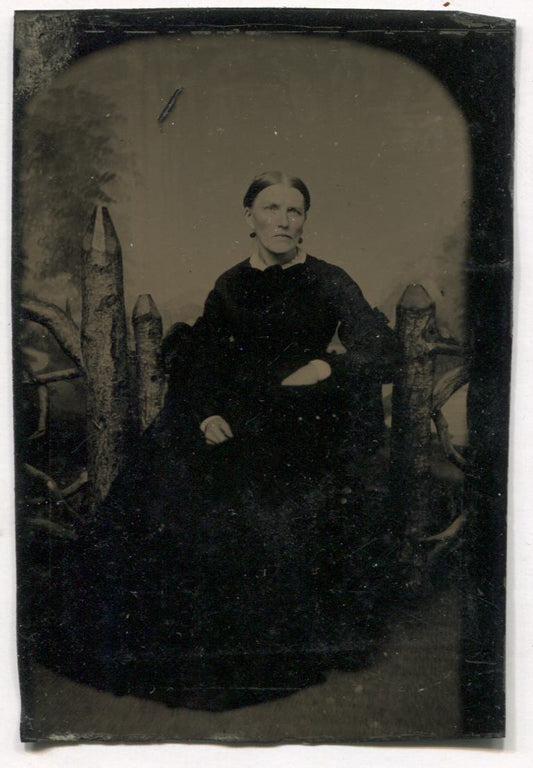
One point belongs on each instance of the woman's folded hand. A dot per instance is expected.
(216, 430)
(312, 373)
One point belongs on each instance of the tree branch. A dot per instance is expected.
(448, 539)
(77, 485)
(446, 348)
(63, 329)
(42, 393)
(54, 528)
(444, 436)
(51, 377)
(451, 531)
(69, 490)
(448, 384)
(53, 489)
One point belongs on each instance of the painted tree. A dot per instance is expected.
(68, 158)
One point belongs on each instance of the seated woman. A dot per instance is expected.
(219, 570)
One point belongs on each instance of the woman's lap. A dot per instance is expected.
(210, 562)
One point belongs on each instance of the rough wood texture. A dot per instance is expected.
(104, 348)
(412, 411)
(148, 329)
(60, 325)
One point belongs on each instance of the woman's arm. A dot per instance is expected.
(371, 346)
(309, 374)
(368, 347)
(210, 368)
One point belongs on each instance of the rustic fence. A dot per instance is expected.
(118, 402)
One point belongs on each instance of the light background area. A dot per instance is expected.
(379, 140)
(517, 749)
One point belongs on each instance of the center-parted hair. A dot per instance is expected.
(270, 178)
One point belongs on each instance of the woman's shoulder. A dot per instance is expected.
(328, 271)
(234, 274)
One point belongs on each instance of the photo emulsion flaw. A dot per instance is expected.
(261, 300)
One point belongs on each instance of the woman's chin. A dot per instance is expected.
(284, 247)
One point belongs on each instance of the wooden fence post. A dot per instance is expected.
(104, 349)
(148, 329)
(411, 411)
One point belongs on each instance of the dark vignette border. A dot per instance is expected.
(473, 56)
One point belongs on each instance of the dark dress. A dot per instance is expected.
(218, 576)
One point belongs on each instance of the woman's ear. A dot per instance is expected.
(248, 217)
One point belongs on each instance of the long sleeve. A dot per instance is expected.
(258, 328)
(211, 359)
(371, 353)
(371, 346)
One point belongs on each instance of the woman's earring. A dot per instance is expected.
(252, 234)
(300, 240)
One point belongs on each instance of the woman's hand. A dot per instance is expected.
(216, 430)
(312, 373)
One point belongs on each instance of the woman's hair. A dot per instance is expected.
(270, 178)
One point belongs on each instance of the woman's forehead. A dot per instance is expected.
(280, 193)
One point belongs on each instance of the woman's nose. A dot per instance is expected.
(283, 218)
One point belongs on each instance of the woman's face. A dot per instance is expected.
(277, 216)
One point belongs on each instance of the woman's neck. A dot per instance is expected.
(269, 258)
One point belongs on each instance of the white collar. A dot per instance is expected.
(256, 262)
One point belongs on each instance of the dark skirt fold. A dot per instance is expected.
(217, 577)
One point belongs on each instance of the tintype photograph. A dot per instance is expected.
(262, 266)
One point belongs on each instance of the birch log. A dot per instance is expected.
(104, 349)
(148, 329)
(412, 411)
